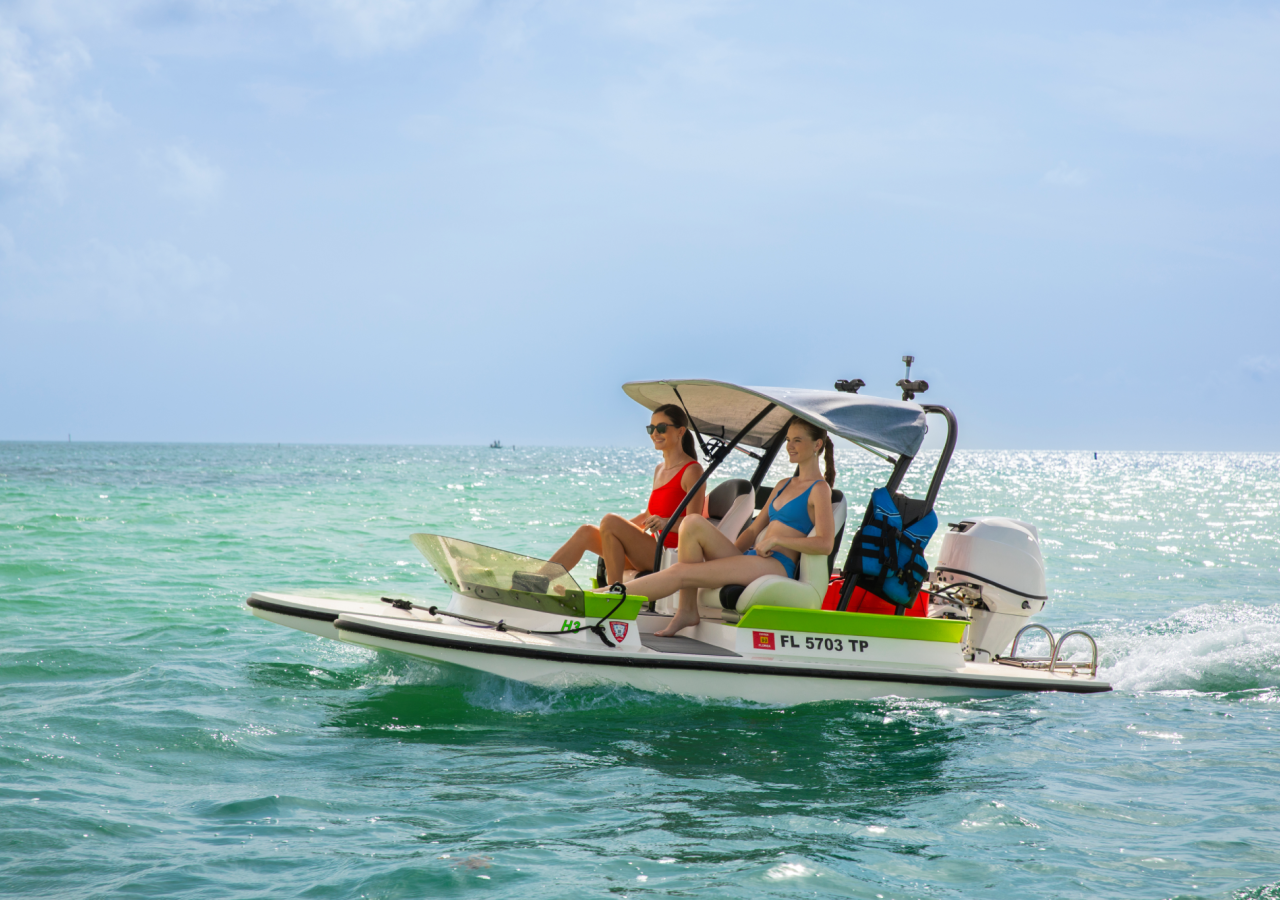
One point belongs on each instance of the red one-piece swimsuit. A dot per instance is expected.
(663, 502)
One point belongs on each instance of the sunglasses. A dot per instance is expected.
(661, 427)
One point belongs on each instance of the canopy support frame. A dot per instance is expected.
(721, 453)
(895, 481)
(766, 459)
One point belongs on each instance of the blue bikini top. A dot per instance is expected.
(796, 512)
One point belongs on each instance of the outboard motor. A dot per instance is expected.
(994, 565)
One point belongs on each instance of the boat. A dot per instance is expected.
(851, 633)
(496, 445)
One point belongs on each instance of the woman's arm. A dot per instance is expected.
(824, 527)
(747, 539)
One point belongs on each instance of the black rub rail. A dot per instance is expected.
(650, 662)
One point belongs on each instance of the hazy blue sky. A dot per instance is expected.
(448, 221)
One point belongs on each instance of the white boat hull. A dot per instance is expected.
(719, 669)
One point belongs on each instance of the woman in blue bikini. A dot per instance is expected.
(771, 545)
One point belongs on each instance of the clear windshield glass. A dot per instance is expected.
(463, 565)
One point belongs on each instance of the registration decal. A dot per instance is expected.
(619, 630)
(763, 640)
(822, 644)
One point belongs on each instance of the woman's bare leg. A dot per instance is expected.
(622, 540)
(690, 551)
(586, 538)
(701, 544)
(713, 573)
(695, 532)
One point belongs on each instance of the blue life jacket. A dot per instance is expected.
(890, 558)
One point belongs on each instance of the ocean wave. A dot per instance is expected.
(1212, 648)
(498, 694)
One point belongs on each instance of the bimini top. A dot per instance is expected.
(723, 409)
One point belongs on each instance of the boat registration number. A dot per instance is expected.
(765, 640)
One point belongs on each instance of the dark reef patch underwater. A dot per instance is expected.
(159, 741)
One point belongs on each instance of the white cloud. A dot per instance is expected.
(1064, 175)
(54, 16)
(283, 99)
(352, 26)
(186, 175)
(1260, 367)
(32, 130)
(665, 21)
(101, 280)
(359, 27)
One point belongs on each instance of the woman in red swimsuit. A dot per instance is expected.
(632, 543)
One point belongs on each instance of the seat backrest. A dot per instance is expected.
(842, 516)
(815, 569)
(762, 495)
(670, 556)
(729, 506)
(723, 496)
(910, 509)
(736, 518)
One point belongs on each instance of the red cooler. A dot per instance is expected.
(864, 601)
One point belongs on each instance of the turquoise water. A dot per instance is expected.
(157, 740)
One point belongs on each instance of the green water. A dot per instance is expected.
(157, 740)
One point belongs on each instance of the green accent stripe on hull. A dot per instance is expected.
(598, 605)
(830, 621)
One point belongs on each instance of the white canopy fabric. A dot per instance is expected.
(723, 409)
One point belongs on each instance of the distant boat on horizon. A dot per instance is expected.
(496, 445)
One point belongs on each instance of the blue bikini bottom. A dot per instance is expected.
(787, 562)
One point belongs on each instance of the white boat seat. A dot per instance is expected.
(729, 507)
(803, 592)
(666, 605)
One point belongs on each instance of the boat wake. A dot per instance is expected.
(1213, 648)
(499, 694)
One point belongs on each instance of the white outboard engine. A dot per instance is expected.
(996, 568)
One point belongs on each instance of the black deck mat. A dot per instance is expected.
(683, 645)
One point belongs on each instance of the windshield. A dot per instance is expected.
(473, 568)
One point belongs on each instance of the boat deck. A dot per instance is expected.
(683, 645)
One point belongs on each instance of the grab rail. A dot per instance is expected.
(1053, 645)
(1093, 664)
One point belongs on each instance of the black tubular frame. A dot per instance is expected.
(771, 448)
(895, 480)
(721, 454)
(947, 449)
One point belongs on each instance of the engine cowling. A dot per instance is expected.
(1001, 558)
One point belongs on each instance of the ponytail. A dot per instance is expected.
(680, 420)
(828, 451)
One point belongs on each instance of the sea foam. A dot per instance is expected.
(1209, 648)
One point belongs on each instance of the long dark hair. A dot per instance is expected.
(680, 420)
(828, 452)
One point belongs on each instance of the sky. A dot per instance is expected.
(444, 222)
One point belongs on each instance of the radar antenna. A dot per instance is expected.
(911, 388)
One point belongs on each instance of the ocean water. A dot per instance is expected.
(156, 740)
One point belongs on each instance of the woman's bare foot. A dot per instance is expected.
(682, 620)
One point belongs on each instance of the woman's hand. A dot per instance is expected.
(765, 543)
(653, 524)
